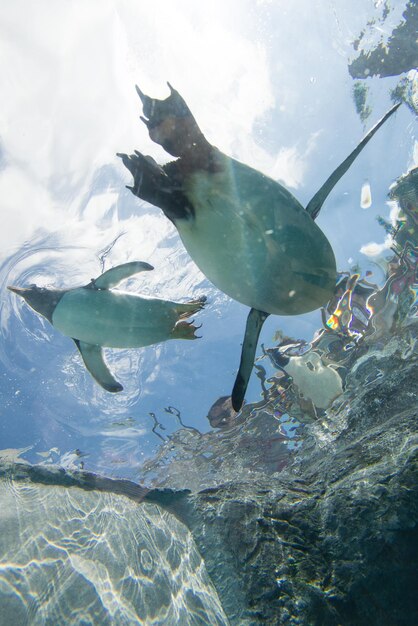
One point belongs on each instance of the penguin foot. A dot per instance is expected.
(170, 123)
(149, 177)
(187, 309)
(185, 330)
(152, 184)
(200, 300)
(157, 111)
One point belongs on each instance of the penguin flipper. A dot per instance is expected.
(94, 362)
(253, 328)
(115, 275)
(314, 206)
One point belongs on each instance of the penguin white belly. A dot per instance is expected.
(255, 242)
(115, 320)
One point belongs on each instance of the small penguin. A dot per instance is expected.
(95, 316)
(247, 233)
(318, 382)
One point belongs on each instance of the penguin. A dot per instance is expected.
(315, 380)
(96, 316)
(247, 233)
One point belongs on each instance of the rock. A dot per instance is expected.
(398, 55)
(334, 540)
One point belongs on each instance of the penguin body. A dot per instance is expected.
(96, 316)
(247, 233)
(255, 240)
(116, 319)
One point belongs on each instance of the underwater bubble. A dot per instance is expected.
(366, 195)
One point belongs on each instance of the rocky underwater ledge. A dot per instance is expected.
(333, 540)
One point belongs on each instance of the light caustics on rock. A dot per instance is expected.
(71, 556)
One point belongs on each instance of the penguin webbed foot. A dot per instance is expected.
(201, 300)
(149, 177)
(185, 330)
(157, 111)
(170, 123)
(154, 185)
(187, 309)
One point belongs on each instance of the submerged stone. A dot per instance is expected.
(72, 556)
(333, 538)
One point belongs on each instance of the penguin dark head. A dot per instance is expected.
(277, 358)
(171, 124)
(40, 299)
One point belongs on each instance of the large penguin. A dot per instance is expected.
(95, 316)
(246, 232)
